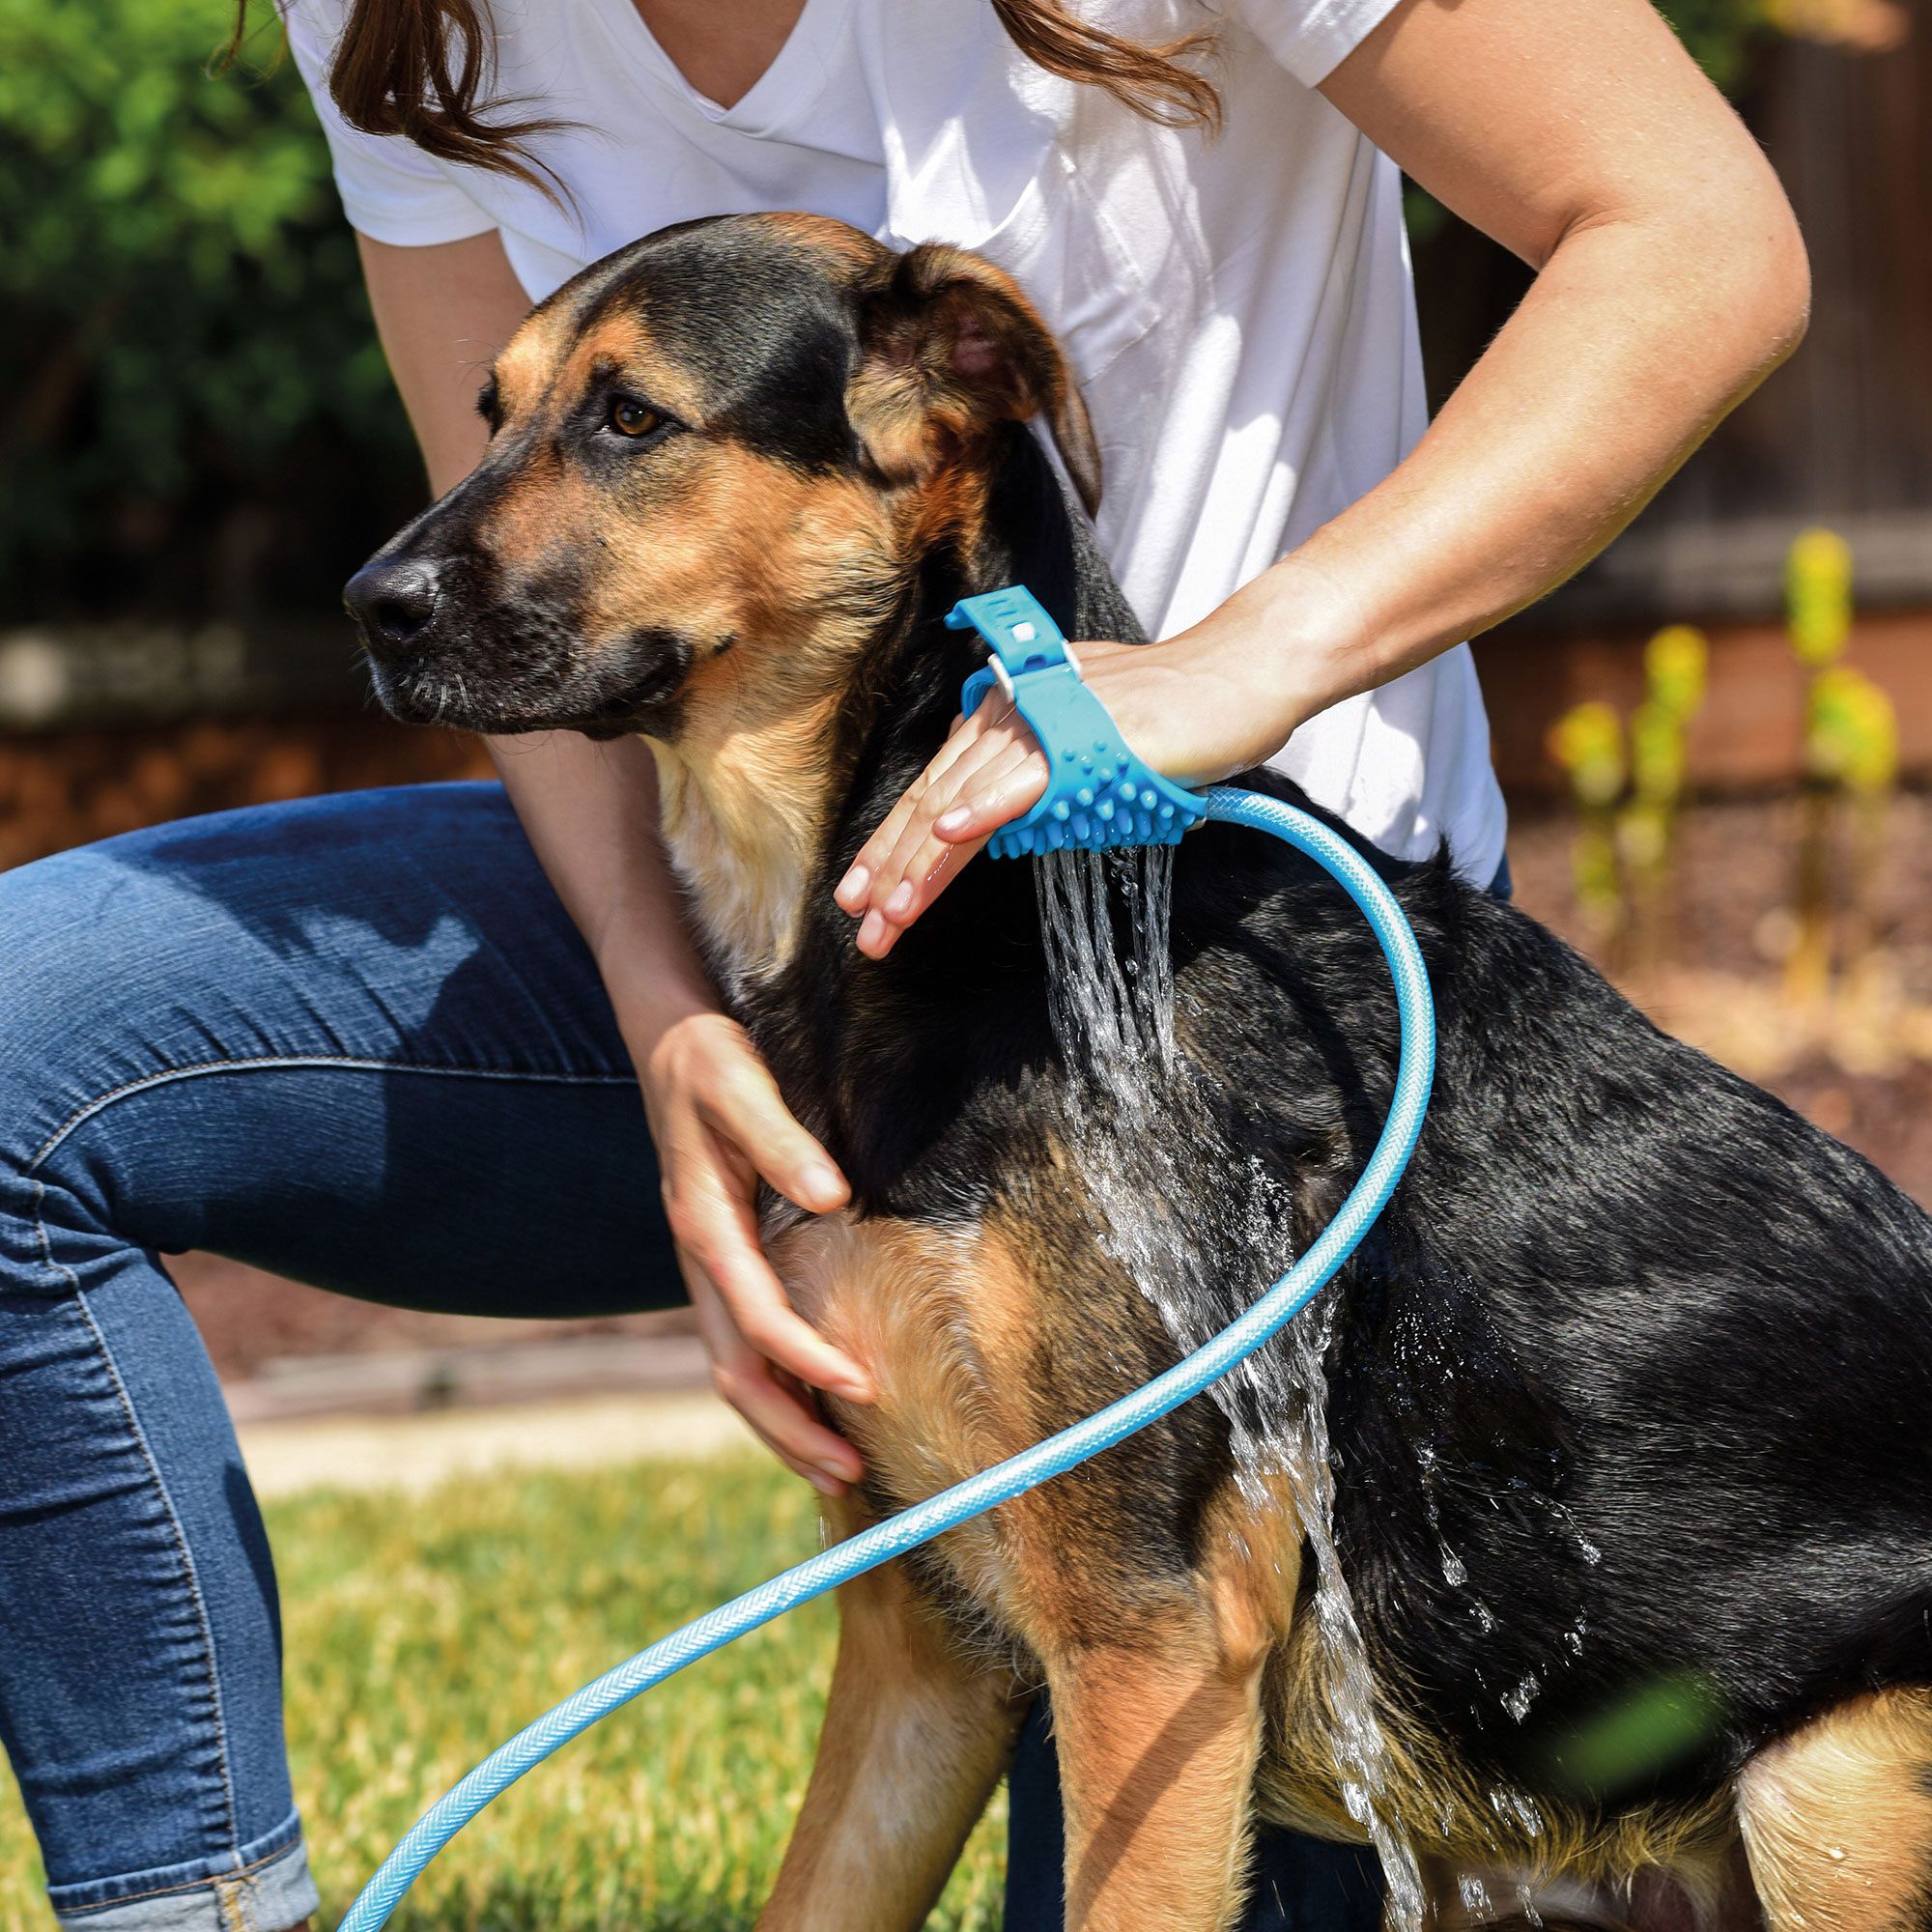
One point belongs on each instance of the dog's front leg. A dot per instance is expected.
(1157, 1745)
(916, 1737)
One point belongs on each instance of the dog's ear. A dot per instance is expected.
(948, 346)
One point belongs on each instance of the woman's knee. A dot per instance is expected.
(110, 983)
(100, 969)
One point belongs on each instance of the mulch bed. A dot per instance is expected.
(1727, 933)
(70, 787)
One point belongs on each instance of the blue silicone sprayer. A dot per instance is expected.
(1099, 794)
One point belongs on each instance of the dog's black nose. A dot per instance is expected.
(394, 603)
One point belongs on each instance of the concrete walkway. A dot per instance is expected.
(416, 1452)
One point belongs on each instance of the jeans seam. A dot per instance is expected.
(189, 1571)
(58, 1270)
(213, 1879)
(231, 1906)
(352, 1063)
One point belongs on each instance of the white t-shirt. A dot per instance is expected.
(1237, 310)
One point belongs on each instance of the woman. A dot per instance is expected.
(392, 1042)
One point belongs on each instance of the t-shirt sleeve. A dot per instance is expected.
(1310, 38)
(390, 189)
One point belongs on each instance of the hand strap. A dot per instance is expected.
(1099, 793)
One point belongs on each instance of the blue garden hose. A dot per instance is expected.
(960, 1504)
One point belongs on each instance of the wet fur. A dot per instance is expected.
(1623, 1303)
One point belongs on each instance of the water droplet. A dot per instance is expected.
(1516, 1807)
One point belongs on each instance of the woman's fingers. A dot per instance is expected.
(719, 1122)
(996, 789)
(879, 931)
(1189, 716)
(745, 1105)
(775, 1409)
(717, 1229)
(854, 892)
(909, 863)
(882, 861)
(1005, 791)
(750, 1328)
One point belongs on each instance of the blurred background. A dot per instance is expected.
(1717, 745)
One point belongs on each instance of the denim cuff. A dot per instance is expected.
(263, 1886)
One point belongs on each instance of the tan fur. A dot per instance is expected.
(776, 579)
(527, 365)
(745, 777)
(937, 1316)
(1837, 1819)
(1224, 1687)
(954, 346)
(1161, 1733)
(834, 241)
(1158, 1738)
(1708, 1893)
(1449, 1813)
(1160, 1727)
(916, 1735)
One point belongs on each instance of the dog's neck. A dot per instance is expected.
(741, 829)
(804, 771)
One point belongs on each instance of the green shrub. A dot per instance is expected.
(183, 331)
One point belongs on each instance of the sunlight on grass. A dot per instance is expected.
(421, 1632)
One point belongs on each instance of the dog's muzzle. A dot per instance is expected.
(394, 603)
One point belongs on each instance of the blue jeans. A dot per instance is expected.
(355, 1040)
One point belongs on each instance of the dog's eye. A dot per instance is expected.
(630, 417)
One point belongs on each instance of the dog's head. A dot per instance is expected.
(716, 461)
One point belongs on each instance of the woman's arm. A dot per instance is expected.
(591, 812)
(1671, 280)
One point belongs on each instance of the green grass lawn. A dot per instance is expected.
(422, 1632)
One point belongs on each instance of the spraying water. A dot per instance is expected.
(1142, 1124)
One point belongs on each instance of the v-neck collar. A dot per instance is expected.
(793, 80)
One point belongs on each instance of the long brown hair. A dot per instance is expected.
(415, 68)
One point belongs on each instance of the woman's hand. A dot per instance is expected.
(720, 1125)
(1207, 704)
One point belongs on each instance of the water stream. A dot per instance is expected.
(1144, 1128)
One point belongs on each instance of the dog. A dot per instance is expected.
(1628, 1398)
